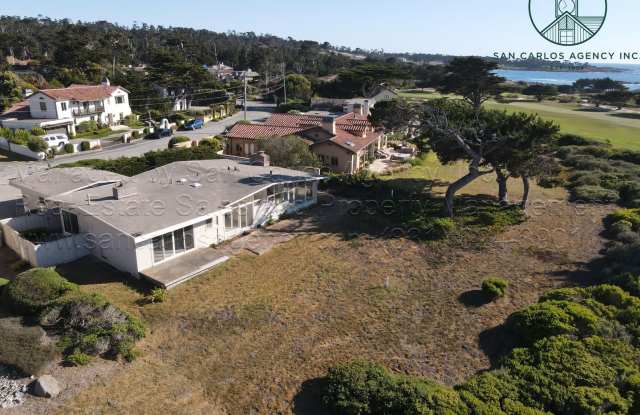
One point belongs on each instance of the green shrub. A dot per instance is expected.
(627, 215)
(177, 140)
(85, 146)
(26, 347)
(553, 318)
(37, 131)
(135, 135)
(575, 140)
(630, 194)
(131, 166)
(87, 126)
(77, 358)
(494, 288)
(6, 133)
(441, 227)
(212, 142)
(93, 326)
(69, 148)
(20, 137)
(37, 145)
(362, 387)
(34, 290)
(628, 282)
(594, 194)
(3, 282)
(157, 295)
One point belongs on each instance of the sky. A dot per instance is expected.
(463, 27)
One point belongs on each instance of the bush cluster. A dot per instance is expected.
(622, 252)
(87, 323)
(93, 327)
(599, 173)
(578, 354)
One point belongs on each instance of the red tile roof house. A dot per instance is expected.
(344, 144)
(66, 108)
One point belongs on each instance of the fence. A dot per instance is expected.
(48, 254)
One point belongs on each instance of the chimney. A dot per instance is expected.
(124, 190)
(367, 108)
(329, 125)
(261, 159)
(357, 109)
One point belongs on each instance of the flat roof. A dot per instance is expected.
(176, 194)
(54, 182)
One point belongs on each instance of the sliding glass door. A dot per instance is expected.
(172, 244)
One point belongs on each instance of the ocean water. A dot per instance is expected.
(630, 75)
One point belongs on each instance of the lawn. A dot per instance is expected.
(253, 334)
(620, 131)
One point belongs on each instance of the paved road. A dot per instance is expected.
(257, 111)
(8, 194)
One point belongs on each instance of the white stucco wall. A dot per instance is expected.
(109, 244)
(36, 112)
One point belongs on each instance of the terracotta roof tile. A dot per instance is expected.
(255, 131)
(353, 132)
(80, 92)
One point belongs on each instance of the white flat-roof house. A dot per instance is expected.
(68, 107)
(159, 224)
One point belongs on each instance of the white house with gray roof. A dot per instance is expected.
(143, 225)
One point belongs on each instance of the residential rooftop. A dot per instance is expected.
(179, 193)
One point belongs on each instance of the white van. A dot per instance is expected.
(56, 140)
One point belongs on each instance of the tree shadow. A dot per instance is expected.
(474, 299)
(92, 271)
(496, 343)
(627, 115)
(308, 400)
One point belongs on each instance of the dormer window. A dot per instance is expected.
(63, 106)
(43, 106)
(119, 100)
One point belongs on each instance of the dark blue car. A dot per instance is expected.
(194, 124)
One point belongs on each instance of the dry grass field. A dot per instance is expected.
(252, 335)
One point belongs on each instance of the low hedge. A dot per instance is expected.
(34, 290)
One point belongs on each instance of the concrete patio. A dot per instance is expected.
(185, 267)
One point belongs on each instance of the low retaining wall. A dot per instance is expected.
(20, 150)
(48, 254)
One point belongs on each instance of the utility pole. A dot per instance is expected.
(284, 77)
(245, 95)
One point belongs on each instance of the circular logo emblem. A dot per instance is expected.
(568, 22)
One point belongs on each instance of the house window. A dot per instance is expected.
(43, 106)
(63, 106)
(120, 100)
(70, 222)
(173, 243)
(334, 161)
(228, 223)
(209, 223)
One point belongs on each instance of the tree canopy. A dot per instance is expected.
(472, 78)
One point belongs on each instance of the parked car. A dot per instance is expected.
(160, 133)
(56, 140)
(194, 124)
